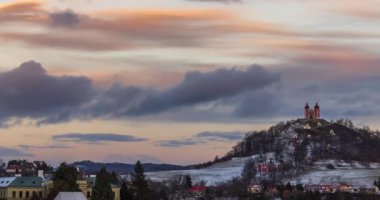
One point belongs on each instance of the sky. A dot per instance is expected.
(177, 81)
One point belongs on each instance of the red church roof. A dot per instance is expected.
(198, 188)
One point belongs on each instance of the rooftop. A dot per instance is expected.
(5, 181)
(33, 181)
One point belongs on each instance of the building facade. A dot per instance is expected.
(312, 113)
(23, 188)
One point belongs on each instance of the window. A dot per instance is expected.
(27, 194)
(20, 194)
(14, 194)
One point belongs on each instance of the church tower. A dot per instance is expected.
(312, 113)
(307, 111)
(317, 111)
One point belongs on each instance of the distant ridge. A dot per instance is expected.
(93, 167)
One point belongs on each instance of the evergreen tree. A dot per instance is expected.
(188, 183)
(65, 178)
(140, 185)
(163, 195)
(377, 183)
(35, 197)
(125, 193)
(103, 189)
(317, 195)
(114, 179)
(249, 171)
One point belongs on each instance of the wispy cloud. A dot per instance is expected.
(53, 146)
(13, 152)
(202, 138)
(219, 1)
(22, 11)
(96, 138)
(179, 142)
(128, 29)
(221, 136)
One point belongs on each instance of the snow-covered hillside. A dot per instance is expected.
(354, 173)
(213, 174)
(348, 176)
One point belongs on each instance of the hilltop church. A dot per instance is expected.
(312, 113)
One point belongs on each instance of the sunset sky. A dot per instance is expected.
(177, 81)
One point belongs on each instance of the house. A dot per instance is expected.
(14, 169)
(198, 191)
(85, 184)
(14, 188)
(312, 187)
(254, 188)
(344, 188)
(368, 189)
(328, 188)
(4, 183)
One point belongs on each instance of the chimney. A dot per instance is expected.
(41, 173)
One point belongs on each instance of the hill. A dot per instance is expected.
(302, 142)
(308, 151)
(93, 167)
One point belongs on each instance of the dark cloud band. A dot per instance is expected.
(30, 92)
